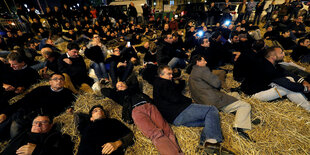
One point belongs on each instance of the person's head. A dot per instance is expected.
(19, 33)
(192, 29)
(274, 54)
(46, 52)
(258, 45)
(73, 50)
(146, 45)
(97, 112)
(56, 8)
(273, 2)
(132, 4)
(116, 51)
(286, 33)
(234, 38)
(96, 38)
(243, 37)
(285, 18)
(9, 34)
(121, 86)
(269, 28)
(41, 124)
(205, 42)
(57, 81)
(16, 61)
(212, 4)
(168, 38)
(304, 42)
(199, 60)
(165, 72)
(299, 19)
(166, 27)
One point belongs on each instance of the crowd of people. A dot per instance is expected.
(163, 52)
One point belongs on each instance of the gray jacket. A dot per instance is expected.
(204, 87)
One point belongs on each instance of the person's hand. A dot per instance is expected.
(67, 60)
(120, 64)
(2, 117)
(133, 60)
(69, 110)
(8, 87)
(108, 148)
(26, 149)
(3, 60)
(19, 90)
(237, 55)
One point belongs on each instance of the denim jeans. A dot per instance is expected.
(273, 93)
(122, 72)
(100, 70)
(257, 18)
(4, 53)
(197, 115)
(39, 65)
(177, 63)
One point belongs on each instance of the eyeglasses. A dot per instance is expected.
(40, 123)
(58, 79)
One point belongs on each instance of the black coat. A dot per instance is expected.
(299, 52)
(169, 99)
(77, 70)
(266, 73)
(97, 133)
(51, 143)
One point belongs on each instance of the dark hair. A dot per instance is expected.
(161, 68)
(72, 46)
(193, 62)
(14, 56)
(57, 74)
(97, 106)
(302, 40)
(270, 50)
(258, 45)
(234, 33)
(49, 117)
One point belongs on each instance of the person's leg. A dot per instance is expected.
(243, 114)
(69, 84)
(176, 62)
(197, 115)
(150, 122)
(103, 70)
(222, 76)
(127, 72)
(5, 129)
(270, 94)
(299, 99)
(39, 66)
(113, 72)
(97, 69)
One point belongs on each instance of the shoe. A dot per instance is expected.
(241, 133)
(256, 121)
(216, 148)
(104, 81)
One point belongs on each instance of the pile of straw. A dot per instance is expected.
(284, 127)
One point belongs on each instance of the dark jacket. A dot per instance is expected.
(77, 70)
(97, 133)
(169, 99)
(205, 88)
(132, 11)
(299, 52)
(51, 143)
(20, 78)
(266, 73)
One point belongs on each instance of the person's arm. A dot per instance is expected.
(210, 78)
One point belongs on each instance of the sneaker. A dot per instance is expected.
(216, 148)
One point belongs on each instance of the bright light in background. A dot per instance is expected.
(176, 16)
(26, 5)
(189, 2)
(37, 11)
(78, 4)
(154, 3)
(28, 10)
(13, 24)
(70, 8)
(205, 1)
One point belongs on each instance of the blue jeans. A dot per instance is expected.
(177, 62)
(39, 65)
(206, 116)
(100, 70)
(4, 53)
